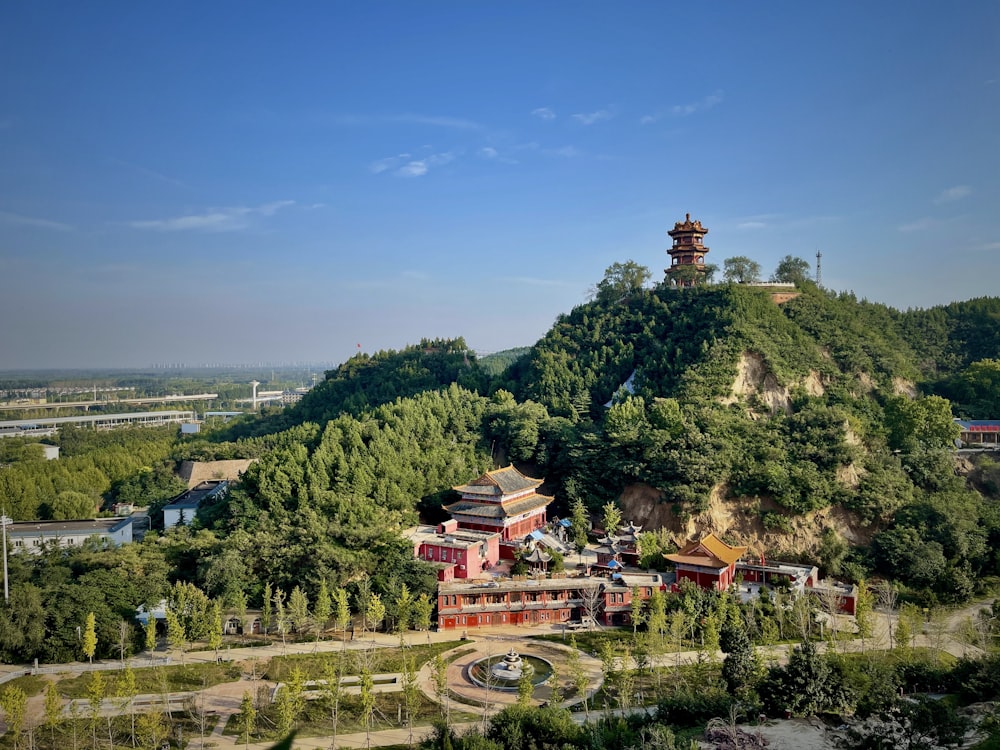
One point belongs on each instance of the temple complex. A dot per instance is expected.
(502, 501)
(687, 255)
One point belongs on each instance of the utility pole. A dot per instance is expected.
(5, 521)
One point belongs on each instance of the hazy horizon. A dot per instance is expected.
(237, 183)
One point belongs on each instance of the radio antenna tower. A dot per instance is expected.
(819, 268)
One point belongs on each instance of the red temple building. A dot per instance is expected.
(503, 501)
(710, 562)
(454, 552)
(687, 252)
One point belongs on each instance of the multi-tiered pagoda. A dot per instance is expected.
(504, 501)
(687, 255)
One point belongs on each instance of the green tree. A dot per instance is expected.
(578, 674)
(14, 702)
(153, 729)
(176, 632)
(612, 518)
(580, 527)
(323, 609)
(247, 720)
(864, 612)
(622, 281)
(332, 694)
(367, 699)
(265, 607)
(741, 270)
(791, 270)
(922, 423)
(53, 708)
(374, 611)
(298, 610)
(215, 634)
(127, 689)
(422, 609)
(96, 690)
(439, 675)
(404, 608)
(807, 685)
(525, 686)
(741, 667)
(90, 637)
(150, 634)
(341, 610)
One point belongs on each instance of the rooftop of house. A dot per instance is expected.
(55, 528)
(194, 497)
(460, 538)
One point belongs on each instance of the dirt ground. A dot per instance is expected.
(794, 734)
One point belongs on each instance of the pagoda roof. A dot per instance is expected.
(708, 552)
(688, 226)
(537, 556)
(498, 483)
(498, 510)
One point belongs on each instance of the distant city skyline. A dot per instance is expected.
(242, 182)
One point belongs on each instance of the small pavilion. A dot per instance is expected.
(708, 562)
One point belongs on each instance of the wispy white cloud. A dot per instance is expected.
(988, 246)
(590, 118)
(491, 154)
(420, 167)
(683, 110)
(650, 119)
(544, 113)
(953, 194)
(8, 217)
(214, 220)
(389, 162)
(567, 152)
(752, 225)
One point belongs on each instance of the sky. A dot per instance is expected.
(237, 182)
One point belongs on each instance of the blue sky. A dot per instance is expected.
(243, 182)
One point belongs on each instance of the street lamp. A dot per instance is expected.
(5, 521)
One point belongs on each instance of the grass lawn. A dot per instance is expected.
(174, 678)
(389, 709)
(378, 660)
(31, 684)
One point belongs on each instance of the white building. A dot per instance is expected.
(182, 509)
(32, 536)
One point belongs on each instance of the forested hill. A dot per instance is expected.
(809, 428)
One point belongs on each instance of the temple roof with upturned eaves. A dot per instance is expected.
(688, 226)
(708, 552)
(498, 483)
(498, 510)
